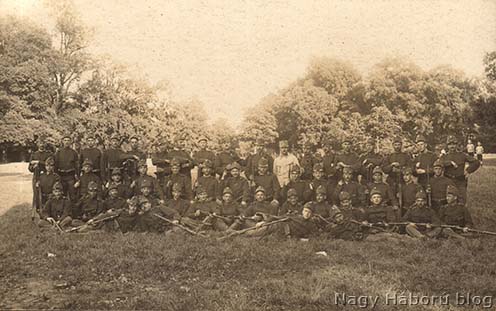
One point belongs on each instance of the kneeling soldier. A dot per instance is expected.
(198, 215)
(227, 219)
(349, 229)
(47, 180)
(454, 213)
(57, 210)
(422, 219)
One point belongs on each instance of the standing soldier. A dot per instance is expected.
(203, 154)
(132, 163)
(87, 176)
(408, 190)
(185, 161)
(368, 161)
(224, 158)
(424, 162)
(267, 181)
(395, 163)
(178, 179)
(346, 158)
(253, 160)
(208, 182)
(328, 162)
(159, 159)
(47, 179)
(67, 165)
(37, 166)
(457, 167)
(307, 161)
(284, 163)
(92, 153)
(114, 157)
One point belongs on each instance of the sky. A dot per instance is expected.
(231, 53)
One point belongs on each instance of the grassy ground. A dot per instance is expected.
(179, 272)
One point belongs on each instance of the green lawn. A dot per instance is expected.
(180, 272)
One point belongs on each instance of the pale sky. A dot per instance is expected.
(231, 53)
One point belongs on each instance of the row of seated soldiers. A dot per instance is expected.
(243, 190)
(341, 220)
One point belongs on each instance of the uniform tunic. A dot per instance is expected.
(302, 188)
(457, 175)
(57, 208)
(455, 214)
(252, 163)
(426, 161)
(282, 167)
(270, 184)
(211, 186)
(95, 156)
(183, 181)
(239, 187)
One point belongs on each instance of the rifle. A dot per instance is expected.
(443, 226)
(178, 225)
(370, 225)
(94, 222)
(55, 224)
(400, 192)
(429, 197)
(239, 232)
(37, 206)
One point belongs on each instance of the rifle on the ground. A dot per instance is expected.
(370, 225)
(178, 225)
(92, 223)
(443, 226)
(253, 228)
(55, 224)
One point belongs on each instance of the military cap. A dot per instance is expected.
(407, 170)
(347, 169)
(115, 137)
(175, 162)
(318, 167)
(50, 161)
(116, 171)
(227, 190)
(92, 186)
(452, 190)
(377, 170)
(420, 138)
(421, 195)
(397, 139)
(295, 169)
(283, 143)
(202, 138)
(263, 162)
(199, 190)
(208, 163)
(234, 165)
(375, 191)
(344, 195)
(451, 140)
(292, 192)
(57, 186)
(438, 163)
(260, 189)
(176, 187)
(87, 162)
(142, 162)
(321, 190)
(310, 206)
(146, 183)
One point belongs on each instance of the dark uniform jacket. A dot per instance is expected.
(39, 156)
(302, 190)
(260, 207)
(288, 208)
(205, 209)
(233, 209)
(239, 187)
(46, 183)
(85, 180)
(426, 160)
(89, 207)
(180, 206)
(379, 213)
(460, 159)
(183, 181)
(369, 158)
(211, 186)
(300, 227)
(326, 210)
(58, 209)
(66, 161)
(408, 192)
(421, 215)
(386, 192)
(156, 190)
(201, 155)
(328, 185)
(114, 158)
(223, 159)
(114, 204)
(455, 214)
(350, 159)
(438, 187)
(184, 159)
(404, 159)
(329, 168)
(96, 157)
(252, 163)
(307, 161)
(356, 191)
(123, 188)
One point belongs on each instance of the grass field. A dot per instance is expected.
(43, 270)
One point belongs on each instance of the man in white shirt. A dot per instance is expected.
(284, 162)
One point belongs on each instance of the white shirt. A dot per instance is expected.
(282, 166)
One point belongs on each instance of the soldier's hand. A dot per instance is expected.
(243, 203)
(421, 171)
(136, 157)
(219, 201)
(274, 202)
(340, 183)
(197, 213)
(465, 230)
(259, 224)
(454, 164)
(366, 223)
(76, 184)
(34, 162)
(175, 222)
(161, 201)
(428, 226)
(50, 220)
(37, 184)
(107, 184)
(133, 184)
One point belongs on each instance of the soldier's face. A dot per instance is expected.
(66, 142)
(176, 194)
(116, 177)
(306, 213)
(318, 174)
(284, 150)
(320, 197)
(226, 146)
(203, 144)
(451, 147)
(175, 169)
(227, 197)
(397, 146)
(421, 146)
(57, 193)
(370, 147)
(49, 167)
(376, 199)
(235, 172)
(438, 171)
(134, 143)
(115, 143)
(339, 218)
(41, 146)
(87, 168)
(146, 191)
(346, 203)
(92, 193)
(451, 198)
(142, 169)
(90, 142)
(407, 177)
(420, 202)
(293, 176)
(293, 200)
(262, 170)
(206, 171)
(347, 175)
(113, 193)
(259, 196)
(202, 197)
(377, 177)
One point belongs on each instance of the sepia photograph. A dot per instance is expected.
(247, 155)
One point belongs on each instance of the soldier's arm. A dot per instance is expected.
(468, 218)
(392, 197)
(277, 188)
(158, 189)
(386, 165)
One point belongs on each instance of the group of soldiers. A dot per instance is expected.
(339, 195)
